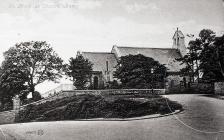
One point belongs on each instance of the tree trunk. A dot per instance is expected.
(197, 69)
(32, 90)
(221, 70)
(220, 65)
(31, 86)
(192, 71)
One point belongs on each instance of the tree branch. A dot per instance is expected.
(45, 68)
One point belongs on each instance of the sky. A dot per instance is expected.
(97, 25)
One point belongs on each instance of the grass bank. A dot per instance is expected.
(93, 106)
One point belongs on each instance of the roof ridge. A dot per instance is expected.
(99, 52)
(142, 47)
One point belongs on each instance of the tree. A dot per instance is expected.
(212, 60)
(80, 69)
(134, 71)
(206, 54)
(206, 36)
(34, 62)
(219, 43)
(37, 96)
(191, 60)
(11, 84)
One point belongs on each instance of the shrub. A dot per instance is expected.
(36, 96)
(7, 106)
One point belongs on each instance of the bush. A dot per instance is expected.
(7, 106)
(37, 96)
(113, 85)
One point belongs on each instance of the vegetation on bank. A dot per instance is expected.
(92, 106)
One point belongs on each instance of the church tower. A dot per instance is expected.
(179, 42)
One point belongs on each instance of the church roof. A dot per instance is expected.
(99, 60)
(165, 56)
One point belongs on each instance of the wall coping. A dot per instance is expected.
(112, 90)
(8, 111)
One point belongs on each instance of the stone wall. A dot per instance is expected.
(173, 84)
(116, 92)
(111, 92)
(7, 117)
(202, 87)
(192, 88)
(219, 88)
(173, 81)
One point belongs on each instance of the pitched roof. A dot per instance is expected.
(178, 33)
(163, 55)
(99, 60)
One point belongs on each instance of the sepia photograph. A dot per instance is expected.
(112, 70)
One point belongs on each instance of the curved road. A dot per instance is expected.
(202, 118)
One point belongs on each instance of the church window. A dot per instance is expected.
(107, 66)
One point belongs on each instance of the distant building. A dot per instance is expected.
(60, 88)
(104, 63)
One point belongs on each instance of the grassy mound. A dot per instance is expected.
(91, 106)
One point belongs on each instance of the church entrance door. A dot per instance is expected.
(95, 82)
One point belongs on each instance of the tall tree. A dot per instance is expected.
(212, 60)
(206, 55)
(206, 36)
(35, 61)
(191, 60)
(80, 69)
(135, 71)
(11, 84)
(219, 43)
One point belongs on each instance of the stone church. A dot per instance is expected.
(104, 63)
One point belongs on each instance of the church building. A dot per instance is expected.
(104, 63)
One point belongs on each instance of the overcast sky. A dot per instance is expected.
(97, 25)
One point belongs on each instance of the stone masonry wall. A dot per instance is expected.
(110, 92)
(116, 92)
(7, 117)
(219, 88)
